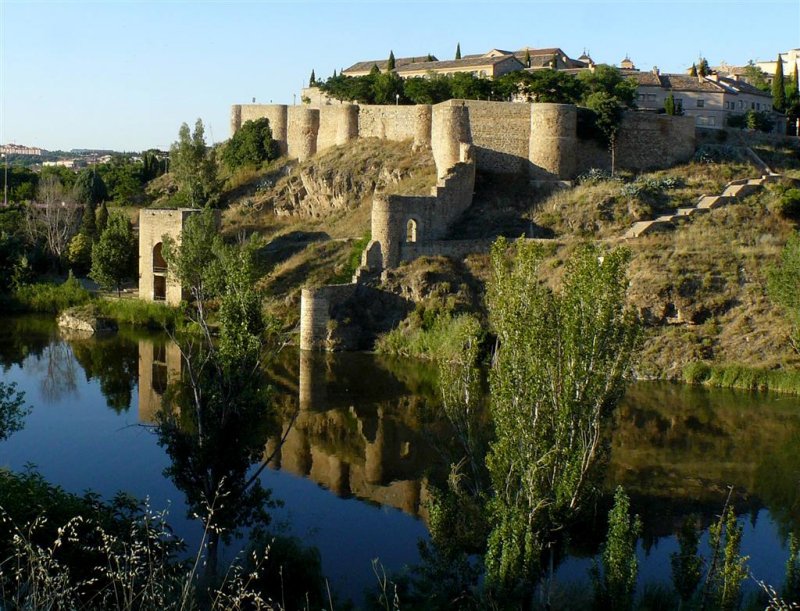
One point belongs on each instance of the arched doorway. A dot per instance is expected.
(411, 230)
(159, 264)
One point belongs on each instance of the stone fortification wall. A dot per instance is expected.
(646, 141)
(456, 249)
(337, 125)
(315, 313)
(400, 219)
(538, 140)
(396, 123)
(501, 134)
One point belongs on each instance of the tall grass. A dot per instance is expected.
(441, 340)
(138, 313)
(741, 376)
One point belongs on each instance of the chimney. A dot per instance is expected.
(714, 77)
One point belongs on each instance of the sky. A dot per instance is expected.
(124, 75)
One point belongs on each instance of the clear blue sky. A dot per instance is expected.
(125, 75)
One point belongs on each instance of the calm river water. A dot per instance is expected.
(362, 447)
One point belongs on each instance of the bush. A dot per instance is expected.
(789, 204)
(440, 339)
(696, 372)
(50, 298)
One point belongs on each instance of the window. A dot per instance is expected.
(701, 103)
(651, 97)
(411, 230)
(741, 104)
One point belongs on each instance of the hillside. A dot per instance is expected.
(699, 288)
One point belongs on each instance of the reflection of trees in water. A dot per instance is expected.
(56, 365)
(24, 336)
(114, 362)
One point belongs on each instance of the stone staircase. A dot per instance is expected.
(734, 190)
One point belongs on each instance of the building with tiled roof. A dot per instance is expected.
(710, 99)
(483, 66)
(364, 68)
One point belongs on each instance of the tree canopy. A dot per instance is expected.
(252, 144)
(114, 254)
(194, 167)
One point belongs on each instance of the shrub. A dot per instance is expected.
(696, 372)
(789, 204)
(141, 313)
(50, 298)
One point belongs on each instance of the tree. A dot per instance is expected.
(686, 565)
(55, 220)
(89, 222)
(252, 144)
(12, 409)
(114, 254)
(755, 76)
(559, 371)
(608, 119)
(194, 167)
(527, 58)
(693, 70)
(728, 568)
(703, 68)
(312, 81)
(614, 588)
(390, 64)
(89, 188)
(458, 50)
(79, 253)
(192, 261)
(101, 218)
(783, 285)
(669, 104)
(778, 87)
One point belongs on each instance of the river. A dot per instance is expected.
(362, 445)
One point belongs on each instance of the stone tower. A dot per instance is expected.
(154, 282)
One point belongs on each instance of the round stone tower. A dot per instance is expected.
(553, 141)
(449, 129)
(347, 124)
(303, 127)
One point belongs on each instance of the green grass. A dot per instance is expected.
(440, 340)
(741, 376)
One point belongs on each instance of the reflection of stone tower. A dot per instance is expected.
(159, 365)
(154, 282)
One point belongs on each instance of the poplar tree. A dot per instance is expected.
(458, 51)
(778, 90)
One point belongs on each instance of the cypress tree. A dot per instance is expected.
(669, 105)
(312, 81)
(793, 86)
(693, 70)
(458, 51)
(527, 58)
(703, 69)
(334, 73)
(391, 63)
(88, 223)
(778, 91)
(101, 218)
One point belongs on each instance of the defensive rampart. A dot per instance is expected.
(540, 141)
